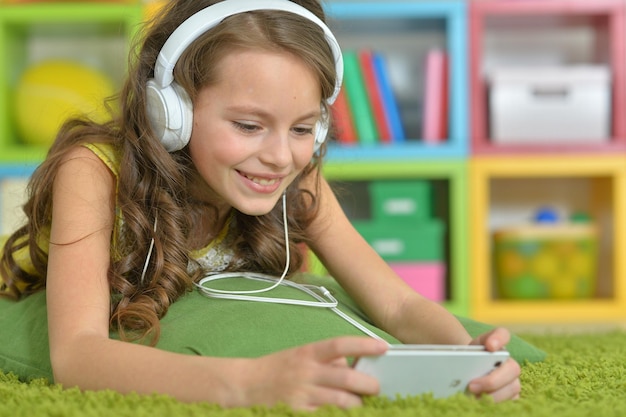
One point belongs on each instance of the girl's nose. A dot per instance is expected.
(276, 149)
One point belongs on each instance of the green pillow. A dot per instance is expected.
(199, 325)
(24, 337)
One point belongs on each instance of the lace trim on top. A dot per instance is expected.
(217, 255)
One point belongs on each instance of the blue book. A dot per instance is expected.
(389, 100)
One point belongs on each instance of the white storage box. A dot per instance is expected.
(569, 104)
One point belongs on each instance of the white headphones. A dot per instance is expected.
(169, 108)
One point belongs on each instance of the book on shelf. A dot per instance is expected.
(372, 88)
(345, 131)
(435, 110)
(358, 100)
(366, 110)
(388, 98)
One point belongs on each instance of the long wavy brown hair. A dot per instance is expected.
(152, 181)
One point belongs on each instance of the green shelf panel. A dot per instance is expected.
(70, 12)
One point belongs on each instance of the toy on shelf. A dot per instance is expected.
(549, 259)
(51, 91)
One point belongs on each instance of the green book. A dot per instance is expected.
(354, 85)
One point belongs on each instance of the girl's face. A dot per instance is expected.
(253, 129)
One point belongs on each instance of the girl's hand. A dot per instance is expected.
(503, 383)
(313, 375)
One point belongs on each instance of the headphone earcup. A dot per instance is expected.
(170, 112)
(321, 129)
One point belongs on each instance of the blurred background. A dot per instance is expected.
(479, 145)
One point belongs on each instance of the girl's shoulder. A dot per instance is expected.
(107, 153)
(104, 153)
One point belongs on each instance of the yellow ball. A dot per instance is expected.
(50, 92)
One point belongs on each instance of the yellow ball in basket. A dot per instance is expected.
(51, 91)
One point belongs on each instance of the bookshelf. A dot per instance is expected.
(404, 33)
(474, 178)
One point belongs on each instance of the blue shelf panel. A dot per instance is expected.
(410, 150)
(454, 14)
(393, 9)
(19, 170)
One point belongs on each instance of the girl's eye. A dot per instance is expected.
(246, 127)
(302, 131)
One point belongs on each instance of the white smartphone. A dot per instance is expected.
(442, 370)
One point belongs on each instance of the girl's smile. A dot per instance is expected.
(262, 184)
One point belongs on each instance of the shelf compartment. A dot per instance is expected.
(596, 28)
(449, 183)
(404, 32)
(97, 35)
(506, 191)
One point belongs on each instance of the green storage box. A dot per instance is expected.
(423, 241)
(401, 201)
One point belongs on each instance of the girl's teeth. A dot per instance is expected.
(261, 181)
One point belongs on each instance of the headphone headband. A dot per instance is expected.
(196, 25)
(169, 108)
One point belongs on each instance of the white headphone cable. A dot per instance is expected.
(215, 293)
(312, 290)
(145, 265)
(242, 295)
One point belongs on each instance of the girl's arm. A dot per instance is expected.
(393, 305)
(83, 355)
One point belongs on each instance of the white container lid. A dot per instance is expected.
(553, 75)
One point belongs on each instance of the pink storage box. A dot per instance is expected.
(427, 278)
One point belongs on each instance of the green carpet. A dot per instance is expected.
(584, 375)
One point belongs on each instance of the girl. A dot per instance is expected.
(124, 217)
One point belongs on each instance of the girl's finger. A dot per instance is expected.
(350, 346)
(510, 391)
(326, 396)
(505, 379)
(494, 340)
(349, 380)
